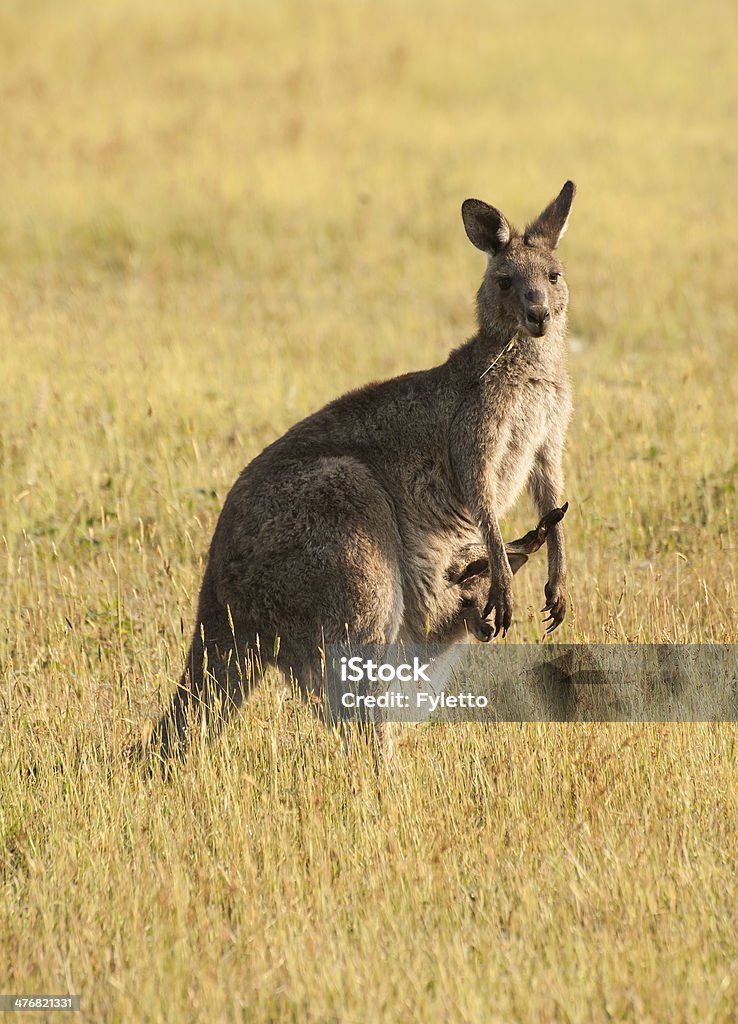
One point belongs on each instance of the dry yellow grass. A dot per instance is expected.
(214, 219)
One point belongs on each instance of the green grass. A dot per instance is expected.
(214, 219)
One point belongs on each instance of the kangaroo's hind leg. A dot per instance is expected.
(348, 591)
(325, 572)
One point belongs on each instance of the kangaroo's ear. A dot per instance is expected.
(486, 227)
(550, 225)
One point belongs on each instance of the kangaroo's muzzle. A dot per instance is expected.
(537, 320)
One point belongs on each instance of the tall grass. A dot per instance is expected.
(215, 218)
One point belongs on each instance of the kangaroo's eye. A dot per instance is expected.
(553, 277)
(504, 283)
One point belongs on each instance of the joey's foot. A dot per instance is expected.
(483, 631)
(555, 605)
(500, 601)
(474, 622)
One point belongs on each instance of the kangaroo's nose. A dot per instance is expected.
(537, 316)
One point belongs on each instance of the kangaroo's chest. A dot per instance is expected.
(517, 435)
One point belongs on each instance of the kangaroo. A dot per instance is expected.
(468, 578)
(348, 524)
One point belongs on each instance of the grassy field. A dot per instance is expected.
(215, 218)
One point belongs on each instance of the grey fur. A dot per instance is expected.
(350, 522)
(468, 575)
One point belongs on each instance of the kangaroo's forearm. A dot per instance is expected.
(498, 561)
(556, 550)
(475, 481)
(546, 486)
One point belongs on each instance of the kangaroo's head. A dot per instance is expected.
(523, 291)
